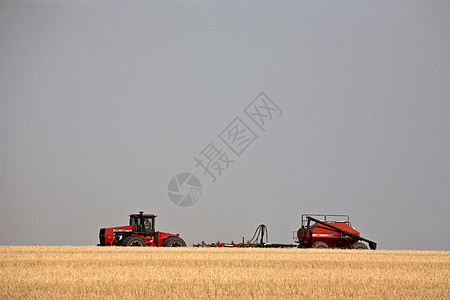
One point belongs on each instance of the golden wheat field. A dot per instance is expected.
(221, 273)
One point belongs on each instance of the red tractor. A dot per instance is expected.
(141, 232)
(330, 231)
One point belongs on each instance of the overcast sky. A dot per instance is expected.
(103, 102)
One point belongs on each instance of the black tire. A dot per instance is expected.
(359, 246)
(173, 241)
(320, 245)
(133, 241)
(124, 240)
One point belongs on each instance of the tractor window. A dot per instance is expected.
(136, 222)
(148, 223)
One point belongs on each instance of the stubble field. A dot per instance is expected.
(114, 272)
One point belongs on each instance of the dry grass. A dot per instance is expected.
(113, 272)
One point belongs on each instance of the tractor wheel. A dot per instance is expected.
(320, 245)
(359, 246)
(173, 241)
(133, 241)
(124, 241)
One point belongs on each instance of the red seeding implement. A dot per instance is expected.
(317, 231)
(141, 232)
(330, 231)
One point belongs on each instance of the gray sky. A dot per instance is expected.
(102, 103)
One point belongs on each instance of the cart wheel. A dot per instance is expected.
(359, 246)
(320, 245)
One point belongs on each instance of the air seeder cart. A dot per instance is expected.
(329, 231)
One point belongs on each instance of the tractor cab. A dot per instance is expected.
(143, 224)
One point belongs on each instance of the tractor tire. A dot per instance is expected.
(359, 246)
(133, 241)
(320, 245)
(173, 241)
(124, 241)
